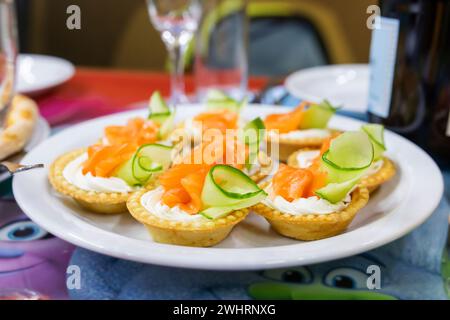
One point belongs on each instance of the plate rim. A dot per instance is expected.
(204, 258)
(300, 94)
(43, 87)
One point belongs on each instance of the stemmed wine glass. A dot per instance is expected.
(177, 21)
(8, 54)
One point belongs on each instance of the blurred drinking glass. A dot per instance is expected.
(8, 54)
(177, 21)
(221, 48)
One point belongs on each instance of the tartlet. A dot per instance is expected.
(320, 199)
(126, 157)
(287, 146)
(314, 226)
(100, 202)
(306, 126)
(384, 174)
(292, 159)
(203, 233)
(265, 166)
(372, 182)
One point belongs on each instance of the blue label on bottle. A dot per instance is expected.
(383, 52)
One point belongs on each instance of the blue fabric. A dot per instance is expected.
(410, 269)
(413, 267)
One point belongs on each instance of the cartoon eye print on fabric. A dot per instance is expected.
(22, 230)
(300, 275)
(346, 278)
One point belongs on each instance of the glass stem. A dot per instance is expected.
(176, 53)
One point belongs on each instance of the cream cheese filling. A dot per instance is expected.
(73, 173)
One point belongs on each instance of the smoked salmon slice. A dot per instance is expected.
(291, 183)
(137, 130)
(103, 160)
(319, 180)
(294, 183)
(286, 122)
(218, 119)
(122, 143)
(183, 184)
(220, 150)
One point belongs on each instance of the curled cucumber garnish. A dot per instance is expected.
(147, 160)
(227, 189)
(216, 99)
(376, 135)
(350, 155)
(318, 115)
(253, 134)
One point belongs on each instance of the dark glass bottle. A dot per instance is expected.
(420, 87)
(438, 84)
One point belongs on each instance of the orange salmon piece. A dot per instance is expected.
(218, 119)
(183, 186)
(291, 183)
(103, 160)
(137, 130)
(193, 185)
(286, 122)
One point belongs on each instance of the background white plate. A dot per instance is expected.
(40, 133)
(37, 73)
(397, 208)
(341, 84)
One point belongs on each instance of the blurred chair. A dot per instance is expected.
(284, 35)
(294, 35)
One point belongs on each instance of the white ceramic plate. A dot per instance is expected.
(342, 84)
(397, 208)
(40, 133)
(37, 73)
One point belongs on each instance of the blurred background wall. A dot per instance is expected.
(118, 33)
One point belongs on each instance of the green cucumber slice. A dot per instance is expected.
(216, 95)
(159, 111)
(335, 192)
(125, 173)
(318, 115)
(219, 212)
(148, 159)
(376, 135)
(350, 155)
(226, 189)
(351, 151)
(258, 127)
(216, 100)
(157, 104)
(223, 104)
(253, 134)
(159, 118)
(167, 126)
(146, 164)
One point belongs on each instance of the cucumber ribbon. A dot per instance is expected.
(227, 189)
(318, 115)
(146, 161)
(160, 113)
(346, 161)
(376, 135)
(216, 99)
(252, 135)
